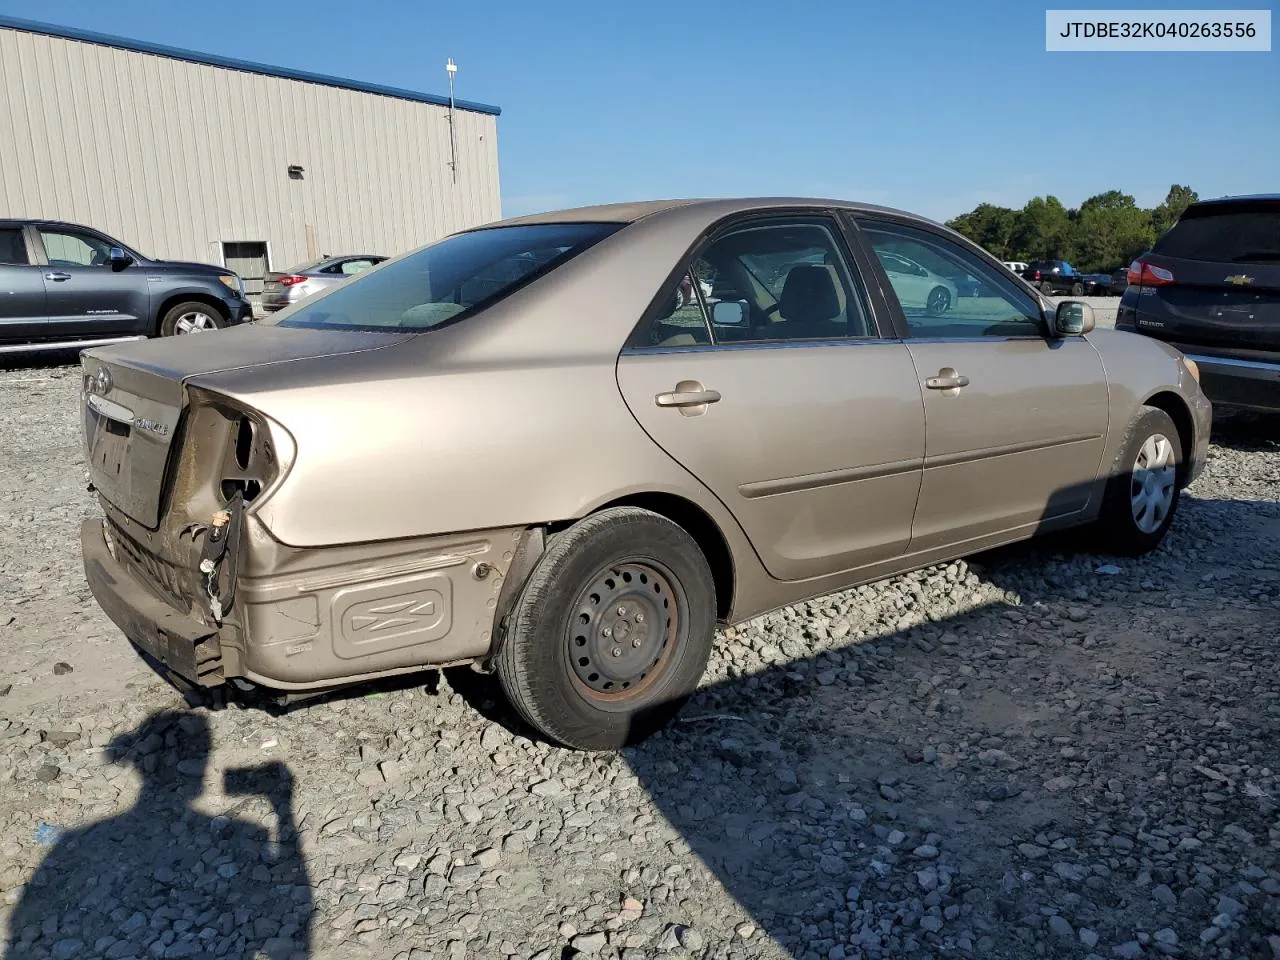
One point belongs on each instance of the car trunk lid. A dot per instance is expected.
(134, 397)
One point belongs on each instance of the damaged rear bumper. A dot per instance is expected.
(181, 644)
(304, 619)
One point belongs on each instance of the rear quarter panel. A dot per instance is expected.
(382, 455)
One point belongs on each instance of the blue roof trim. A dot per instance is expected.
(230, 63)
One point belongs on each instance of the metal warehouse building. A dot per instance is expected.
(188, 156)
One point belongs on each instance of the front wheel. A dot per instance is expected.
(612, 632)
(190, 317)
(1142, 493)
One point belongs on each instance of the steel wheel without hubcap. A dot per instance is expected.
(626, 627)
(1152, 483)
(194, 322)
(611, 631)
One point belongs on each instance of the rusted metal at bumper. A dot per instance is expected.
(316, 618)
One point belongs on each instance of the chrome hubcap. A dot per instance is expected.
(1152, 483)
(624, 630)
(194, 322)
(937, 301)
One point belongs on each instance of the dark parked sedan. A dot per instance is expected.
(67, 286)
(1211, 288)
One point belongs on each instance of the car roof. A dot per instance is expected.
(1242, 198)
(714, 207)
(38, 222)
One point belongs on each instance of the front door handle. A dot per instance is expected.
(57, 276)
(947, 379)
(687, 398)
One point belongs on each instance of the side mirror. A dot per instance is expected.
(118, 258)
(728, 313)
(1072, 319)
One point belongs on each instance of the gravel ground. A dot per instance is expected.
(1038, 753)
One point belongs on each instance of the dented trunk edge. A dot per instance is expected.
(303, 619)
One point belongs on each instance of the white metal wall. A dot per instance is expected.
(174, 158)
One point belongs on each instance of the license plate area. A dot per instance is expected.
(109, 445)
(127, 441)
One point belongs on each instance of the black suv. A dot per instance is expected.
(67, 286)
(1054, 277)
(1211, 287)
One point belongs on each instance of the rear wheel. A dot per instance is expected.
(939, 300)
(190, 317)
(612, 632)
(1142, 494)
(1046, 287)
(1077, 289)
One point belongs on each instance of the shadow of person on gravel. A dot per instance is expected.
(165, 880)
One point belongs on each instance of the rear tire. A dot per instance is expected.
(612, 632)
(1077, 289)
(939, 301)
(1046, 287)
(1142, 494)
(191, 316)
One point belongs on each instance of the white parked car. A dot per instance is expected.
(1016, 266)
(916, 286)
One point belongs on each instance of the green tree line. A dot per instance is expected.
(1105, 232)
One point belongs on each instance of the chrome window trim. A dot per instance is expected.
(762, 345)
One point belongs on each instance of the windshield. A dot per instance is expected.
(1235, 233)
(457, 276)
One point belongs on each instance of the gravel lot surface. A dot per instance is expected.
(1038, 753)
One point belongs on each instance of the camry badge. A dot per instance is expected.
(1240, 279)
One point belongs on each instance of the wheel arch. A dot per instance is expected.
(1180, 414)
(698, 524)
(173, 299)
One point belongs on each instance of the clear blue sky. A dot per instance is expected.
(930, 106)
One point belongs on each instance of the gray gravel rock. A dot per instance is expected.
(1011, 756)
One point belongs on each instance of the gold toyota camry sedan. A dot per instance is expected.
(563, 447)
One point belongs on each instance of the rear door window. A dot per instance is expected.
(13, 249)
(1238, 233)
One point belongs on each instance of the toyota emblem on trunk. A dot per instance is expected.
(100, 382)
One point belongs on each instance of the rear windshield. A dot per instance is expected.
(1227, 234)
(304, 267)
(447, 280)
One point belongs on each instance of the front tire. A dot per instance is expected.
(191, 316)
(612, 632)
(1142, 494)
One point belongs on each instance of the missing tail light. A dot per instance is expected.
(252, 460)
(244, 443)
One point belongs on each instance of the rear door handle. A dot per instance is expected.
(687, 398)
(947, 379)
(57, 276)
